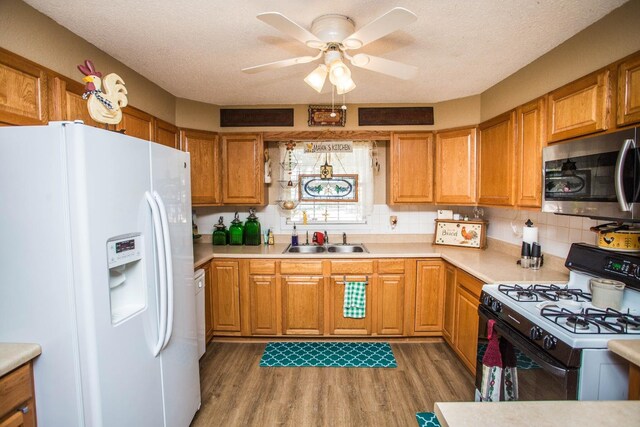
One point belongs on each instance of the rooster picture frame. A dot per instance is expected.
(468, 234)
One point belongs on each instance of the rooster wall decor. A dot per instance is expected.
(106, 96)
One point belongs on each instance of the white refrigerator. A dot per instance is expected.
(97, 267)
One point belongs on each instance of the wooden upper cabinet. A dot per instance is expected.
(243, 169)
(579, 108)
(205, 165)
(67, 103)
(629, 91)
(455, 172)
(23, 91)
(166, 134)
(410, 174)
(531, 137)
(496, 166)
(137, 123)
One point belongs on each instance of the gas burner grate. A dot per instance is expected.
(593, 320)
(538, 293)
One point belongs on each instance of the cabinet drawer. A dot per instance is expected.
(258, 266)
(469, 282)
(15, 388)
(351, 267)
(391, 266)
(301, 267)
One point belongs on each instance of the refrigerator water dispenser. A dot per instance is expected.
(127, 290)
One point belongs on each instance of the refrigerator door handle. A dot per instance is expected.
(618, 175)
(162, 315)
(169, 267)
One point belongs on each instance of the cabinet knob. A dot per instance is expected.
(24, 409)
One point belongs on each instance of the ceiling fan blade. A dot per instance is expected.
(391, 21)
(287, 26)
(384, 66)
(279, 64)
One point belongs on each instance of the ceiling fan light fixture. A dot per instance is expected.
(339, 73)
(348, 86)
(317, 77)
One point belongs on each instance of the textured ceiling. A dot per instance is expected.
(195, 49)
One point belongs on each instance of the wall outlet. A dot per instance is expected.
(393, 220)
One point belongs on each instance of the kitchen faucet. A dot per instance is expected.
(344, 238)
(326, 237)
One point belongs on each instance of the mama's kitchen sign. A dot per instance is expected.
(328, 147)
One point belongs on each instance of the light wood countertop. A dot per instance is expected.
(490, 266)
(539, 414)
(13, 355)
(629, 349)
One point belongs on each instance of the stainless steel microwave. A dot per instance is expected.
(597, 177)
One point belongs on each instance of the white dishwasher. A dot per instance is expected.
(198, 278)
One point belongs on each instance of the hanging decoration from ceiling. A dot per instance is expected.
(105, 96)
(334, 35)
(338, 188)
(289, 199)
(326, 170)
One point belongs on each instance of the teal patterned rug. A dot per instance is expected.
(328, 354)
(427, 419)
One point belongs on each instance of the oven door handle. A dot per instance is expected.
(530, 350)
(619, 172)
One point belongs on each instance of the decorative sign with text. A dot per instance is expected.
(328, 147)
(470, 234)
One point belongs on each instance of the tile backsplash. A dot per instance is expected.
(556, 232)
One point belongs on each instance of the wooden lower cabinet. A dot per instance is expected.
(448, 321)
(466, 301)
(302, 305)
(208, 302)
(340, 325)
(429, 296)
(390, 301)
(264, 305)
(17, 398)
(225, 297)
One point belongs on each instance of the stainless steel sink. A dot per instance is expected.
(355, 248)
(306, 249)
(335, 249)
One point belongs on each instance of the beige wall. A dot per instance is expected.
(197, 115)
(29, 33)
(613, 37)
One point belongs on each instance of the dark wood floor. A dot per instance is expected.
(237, 392)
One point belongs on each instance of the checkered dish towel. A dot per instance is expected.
(355, 299)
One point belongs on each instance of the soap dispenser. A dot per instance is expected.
(252, 233)
(236, 231)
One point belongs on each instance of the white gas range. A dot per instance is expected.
(557, 328)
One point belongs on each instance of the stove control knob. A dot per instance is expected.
(635, 269)
(549, 342)
(487, 300)
(535, 333)
(496, 306)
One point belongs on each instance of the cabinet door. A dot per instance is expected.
(449, 303)
(225, 297)
(263, 305)
(67, 103)
(455, 174)
(302, 305)
(579, 108)
(429, 296)
(410, 174)
(390, 296)
(530, 143)
(466, 328)
(205, 166)
(166, 134)
(137, 123)
(340, 325)
(208, 302)
(629, 91)
(23, 91)
(497, 161)
(243, 169)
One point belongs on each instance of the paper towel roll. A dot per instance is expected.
(530, 234)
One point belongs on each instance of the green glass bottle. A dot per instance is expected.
(236, 231)
(252, 233)
(219, 237)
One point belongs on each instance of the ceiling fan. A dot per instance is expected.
(334, 35)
